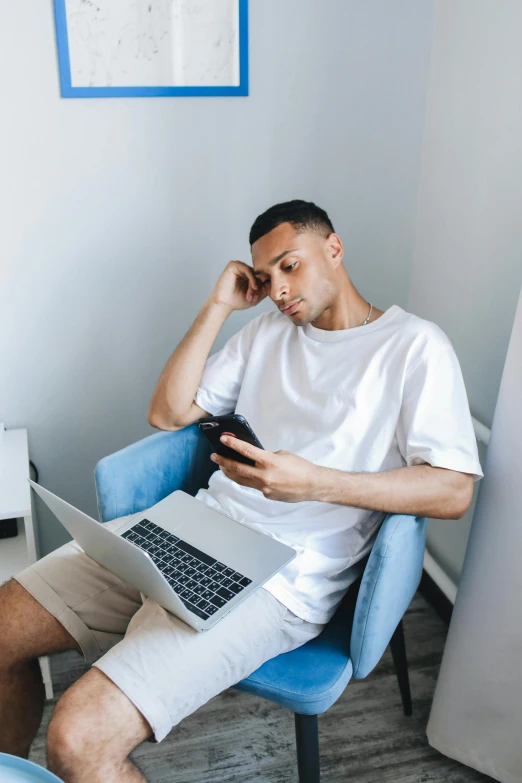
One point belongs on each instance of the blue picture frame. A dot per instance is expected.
(68, 91)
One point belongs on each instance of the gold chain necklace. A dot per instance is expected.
(369, 315)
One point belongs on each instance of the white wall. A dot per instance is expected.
(467, 263)
(119, 214)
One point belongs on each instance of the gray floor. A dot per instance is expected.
(365, 737)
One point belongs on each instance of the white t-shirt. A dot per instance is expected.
(366, 399)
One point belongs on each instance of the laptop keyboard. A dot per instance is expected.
(203, 583)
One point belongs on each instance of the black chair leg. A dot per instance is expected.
(307, 742)
(398, 649)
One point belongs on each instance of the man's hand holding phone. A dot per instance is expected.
(279, 475)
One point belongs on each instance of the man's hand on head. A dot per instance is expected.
(279, 475)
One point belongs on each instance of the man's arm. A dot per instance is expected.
(420, 490)
(172, 406)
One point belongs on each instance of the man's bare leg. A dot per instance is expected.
(92, 732)
(27, 631)
(94, 726)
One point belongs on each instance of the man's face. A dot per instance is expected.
(290, 266)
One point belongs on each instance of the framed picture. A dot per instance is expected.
(154, 48)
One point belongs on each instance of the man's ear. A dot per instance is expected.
(335, 248)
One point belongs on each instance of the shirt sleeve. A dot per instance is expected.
(435, 424)
(223, 373)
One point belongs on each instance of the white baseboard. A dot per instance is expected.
(440, 577)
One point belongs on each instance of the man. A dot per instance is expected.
(361, 412)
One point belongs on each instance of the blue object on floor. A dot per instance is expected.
(16, 770)
(310, 679)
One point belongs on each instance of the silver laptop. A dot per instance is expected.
(196, 562)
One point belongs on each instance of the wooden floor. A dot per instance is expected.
(364, 737)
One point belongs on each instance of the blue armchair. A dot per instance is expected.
(310, 679)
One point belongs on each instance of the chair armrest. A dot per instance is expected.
(389, 582)
(140, 475)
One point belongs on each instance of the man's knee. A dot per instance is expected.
(27, 630)
(69, 745)
(93, 723)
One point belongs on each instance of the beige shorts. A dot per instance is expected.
(163, 666)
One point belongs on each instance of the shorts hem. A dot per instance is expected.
(124, 677)
(51, 601)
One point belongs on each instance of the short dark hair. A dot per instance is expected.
(302, 215)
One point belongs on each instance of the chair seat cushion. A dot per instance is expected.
(311, 678)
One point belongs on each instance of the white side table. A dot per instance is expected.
(15, 502)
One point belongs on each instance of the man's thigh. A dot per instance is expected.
(168, 670)
(27, 630)
(91, 603)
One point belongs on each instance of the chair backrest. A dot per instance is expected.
(142, 474)
(390, 580)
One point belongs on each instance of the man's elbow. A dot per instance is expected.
(465, 495)
(158, 419)
(154, 418)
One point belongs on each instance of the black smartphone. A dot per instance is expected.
(213, 427)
